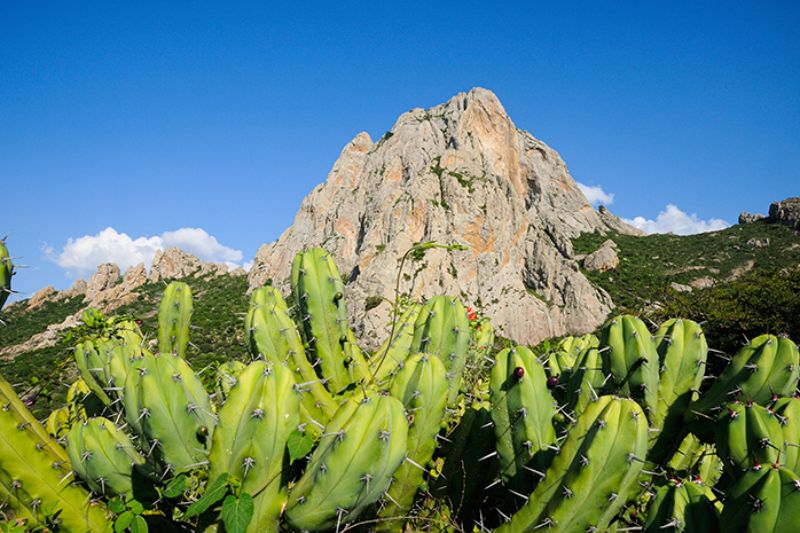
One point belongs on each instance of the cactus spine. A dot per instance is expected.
(174, 318)
(352, 466)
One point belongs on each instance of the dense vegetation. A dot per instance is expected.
(752, 272)
(43, 375)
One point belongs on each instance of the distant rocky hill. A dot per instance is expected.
(107, 290)
(460, 172)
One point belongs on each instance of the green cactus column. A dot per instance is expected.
(165, 402)
(318, 300)
(352, 466)
(174, 318)
(682, 352)
(749, 435)
(394, 351)
(631, 359)
(422, 387)
(35, 478)
(272, 335)
(6, 271)
(522, 411)
(103, 456)
(442, 329)
(766, 366)
(594, 473)
(249, 443)
(763, 500)
(682, 506)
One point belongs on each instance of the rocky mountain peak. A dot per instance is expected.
(458, 172)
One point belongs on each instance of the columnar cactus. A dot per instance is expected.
(318, 300)
(422, 387)
(567, 353)
(682, 506)
(249, 443)
(35, 478)
(631, 359)
(749, 435)
(585, 380)
(352, 466)
(594, 473)
(682, 352)
(787, 410)
(694, 459)
(766, 366)
(394, 351)
(6, 271)
(763, 499)
(272, 335)
(442, 329)
(102, 456)
(522, 411)
(166, 404)
(174, 318)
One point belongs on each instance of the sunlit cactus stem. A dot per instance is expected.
(174, 318)
(6, 272)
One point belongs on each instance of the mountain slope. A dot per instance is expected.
(460, 172)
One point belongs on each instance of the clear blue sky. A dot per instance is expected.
(150, 117)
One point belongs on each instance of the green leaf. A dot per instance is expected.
(139, 525)
(299, 445)
(123, 521)
(237, 512)
(175, 487)
(116, 505)
(136, 506)
(214, 493)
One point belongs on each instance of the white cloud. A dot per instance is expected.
(197, 242)
(673, 220)
(82, 255)
(596, 195)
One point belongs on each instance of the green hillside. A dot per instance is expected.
(217, 335)
(746, 277)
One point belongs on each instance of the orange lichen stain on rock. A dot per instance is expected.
(473, 234)
(394, 173)
(344, 227)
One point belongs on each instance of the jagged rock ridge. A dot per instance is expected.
(108, 290)
(460, 172)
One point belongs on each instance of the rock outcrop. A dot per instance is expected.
(460, 172)
(108, 291)
(603, 259)
(786, 212)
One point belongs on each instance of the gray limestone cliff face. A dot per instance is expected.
(460, 172)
